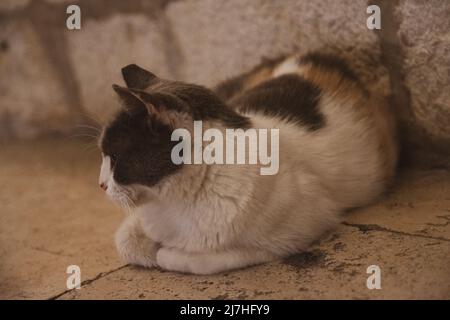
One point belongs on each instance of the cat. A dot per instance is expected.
(338, 150)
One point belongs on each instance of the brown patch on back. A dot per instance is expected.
(258, 77)
(332, 82)
(329, 63)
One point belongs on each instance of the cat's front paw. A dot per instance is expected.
(142, 254)
(134, 247)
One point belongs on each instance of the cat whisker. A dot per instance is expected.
(129, 200)
(95, 120)
(83, 135)
(128, 194)
(96, 129)
(90, 147)
(125, 204)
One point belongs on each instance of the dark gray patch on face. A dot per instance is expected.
(140, 149)
(288, 97)
(329, 62)
(139, 142)
(306, 259)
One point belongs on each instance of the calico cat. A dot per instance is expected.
(337, 147)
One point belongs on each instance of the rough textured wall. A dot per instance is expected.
(54, 79)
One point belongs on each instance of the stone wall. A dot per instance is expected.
(54, 79)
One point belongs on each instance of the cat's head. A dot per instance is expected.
(136, 145)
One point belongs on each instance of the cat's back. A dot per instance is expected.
(345, 133)
(294, 88)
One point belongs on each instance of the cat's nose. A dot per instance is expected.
(103, 186)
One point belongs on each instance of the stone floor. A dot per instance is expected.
(52, 215)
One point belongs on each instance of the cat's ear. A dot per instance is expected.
(131, 101)
(136, 77)
(164, 107)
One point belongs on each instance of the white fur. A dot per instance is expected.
(105, 171)
(290, 65)
(208, 219)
